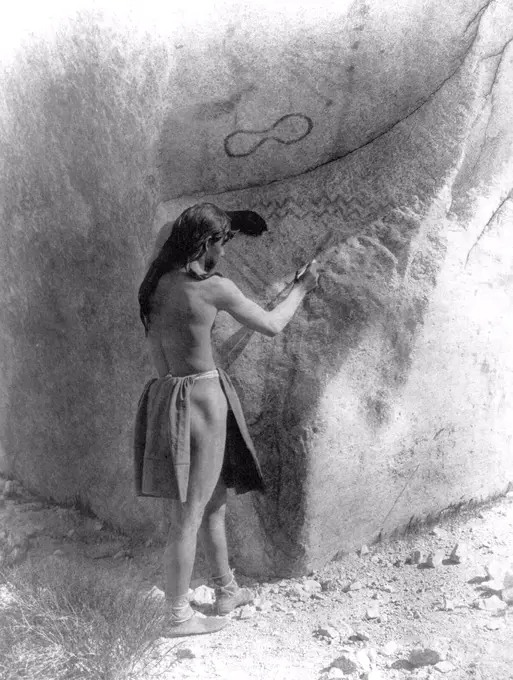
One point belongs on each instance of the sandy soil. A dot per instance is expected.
(358, 617)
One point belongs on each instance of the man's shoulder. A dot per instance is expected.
(223, 289)
(221, 282)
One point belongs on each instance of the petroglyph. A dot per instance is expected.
(288, 129)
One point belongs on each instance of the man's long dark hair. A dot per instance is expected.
(187, 242)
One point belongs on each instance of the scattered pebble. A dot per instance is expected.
(390, 648)
(363, 660)
(423, 656)
(494, 586)
(360, 636)
(508, 578)
(98, 526)
(297, 592)
(493, 625)
(445, 667)
(447, 605)
(346, 664)
(373, 612)
(156, 594)
(247, 612)
(312, 586)
(328, 585)
(459, 553)
(439, 532)
(203, 595)
(490, 604)
(372, 654)
(494, 571)
(185, 653)
(344, 629)
(374, 674)
(328, 632)
(507, 596)
(58, 553)
(356, 585)
(435, 559)
(417, 557)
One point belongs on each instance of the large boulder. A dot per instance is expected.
(380, 132)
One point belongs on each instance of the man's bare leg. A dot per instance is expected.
(213, 532)
(208, 436)
(213, 537)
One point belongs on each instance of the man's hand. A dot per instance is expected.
(308, 276)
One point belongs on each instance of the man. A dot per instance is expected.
(191, 440)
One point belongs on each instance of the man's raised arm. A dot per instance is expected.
(229, 298)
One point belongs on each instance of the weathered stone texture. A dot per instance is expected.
(389, 395)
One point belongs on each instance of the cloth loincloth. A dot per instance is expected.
(162, 439)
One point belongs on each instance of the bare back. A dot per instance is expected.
(182, 316)
(183, 311)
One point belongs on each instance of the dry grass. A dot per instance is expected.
(63, 621)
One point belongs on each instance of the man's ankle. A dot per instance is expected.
(180, 609)
(224, 580)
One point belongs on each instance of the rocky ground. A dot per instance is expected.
(437, 602)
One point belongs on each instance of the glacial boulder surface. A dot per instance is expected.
(375, 133)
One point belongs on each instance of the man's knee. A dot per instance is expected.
(186, 520)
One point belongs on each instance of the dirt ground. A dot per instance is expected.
(359, 617)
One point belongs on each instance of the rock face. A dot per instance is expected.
(383, 132)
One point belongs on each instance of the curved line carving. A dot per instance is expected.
(289, 129)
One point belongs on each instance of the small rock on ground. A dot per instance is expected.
(508, 578)
(423, 656)
(435, 559)
(445, 667)
(459, 553)
(374, 674)
(417, 557)
(185, 653)
(390, 648)
(507, 596)
(345, 664)
(312, 586)
(439, 532)
(362, 658)
(491, 604)
(247, 612)
(494, 570)
(327, 632)
(202, 595)
(373, 613)
(334, 674)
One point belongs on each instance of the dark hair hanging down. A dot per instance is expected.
(186, 243)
